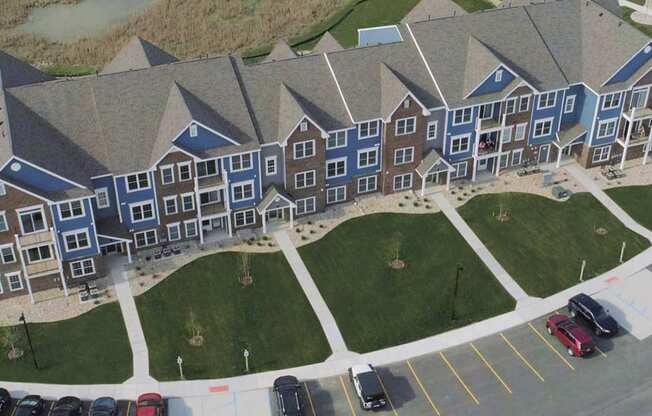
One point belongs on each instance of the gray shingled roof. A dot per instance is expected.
(611, 5)
(480, 62)
(14, 72)
(272, 194)
(432, 9)
(392, 91)
(327, 43)
(569, 133)
(281, 52)
(138, 54)
(432, 158)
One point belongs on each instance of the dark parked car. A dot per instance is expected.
(576, 340)
(367, 386)
(67, 406)
(150, 404)
(589, 309)
(288, 396)
(31, 405)
(5, 402)
(104, 406)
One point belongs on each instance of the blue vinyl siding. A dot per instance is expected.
(490, 85)
(245, 175)
(36, 178)
(205, 139)
(453, 131)
(537, 114)
(112, 211)
(632, 66)
(127, 198)
(606, 115)
(587, 112)
(85, 222)
(353, 144)
(574, 116)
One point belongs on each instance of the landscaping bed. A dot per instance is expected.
(636, 201)
(542, 243)
(269, 316)
(90, 349)
(377, 305)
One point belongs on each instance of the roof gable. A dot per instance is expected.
(14, 72)
(138, 54)
(433, 9)
(392, 92)
(327, 44)
(480, 63)
(292, 111)
(281, 52)
(498, 80)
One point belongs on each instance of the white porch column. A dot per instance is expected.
(500, 143)
(63, 282)
(55, 245)
(29, 289)
(559, 152)
(264, 221)
(129, 259)
(448, 180)
(423, 186)
(628, 137)
(291, 217)
(647, 147)
(475, 169)
(228, 223)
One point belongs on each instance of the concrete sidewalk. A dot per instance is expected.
(481, 250)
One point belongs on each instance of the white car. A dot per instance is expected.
(367, 386)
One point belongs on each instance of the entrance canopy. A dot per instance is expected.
(275, 200)
(433, 162)
(569, 134)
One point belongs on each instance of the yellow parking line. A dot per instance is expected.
(312, 407)
(128, 408)
(601, 352)
(525, 361)
(423, 389)
(13, 411)
(553, 349)
(348, 399)
(450, 366)
(51, 406)
(491, 368)
(387, 394)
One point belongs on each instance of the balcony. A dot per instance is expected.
(210, 181)
(640, 113)
(43, 267)
(489, 124)
(36, 238)
(215, 208)
(487, 144)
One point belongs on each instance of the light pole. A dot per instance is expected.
(180, 364)
(459, 270)
(245, 353)
(29, 339)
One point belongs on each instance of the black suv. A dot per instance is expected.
(367, 386)
(5, 401)
(31, 405)
(588, 308)
(67, 406)
(288, 396)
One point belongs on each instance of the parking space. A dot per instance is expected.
(125, 407)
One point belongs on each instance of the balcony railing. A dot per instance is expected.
(489, 124)
(210, 181)
(43, 267)
(36, 238)
(212, 209)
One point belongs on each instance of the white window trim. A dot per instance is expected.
(20, 280)
(519, 153)
(405, 122)
(303, 126)
(570, 100)
(547, 94)
(647, 95)
(305, 172)
(76, 233)
(461, 123)
(303, 143)
(13, 253)
(206, 162)
(241, 156)
(141, 204)
(507, 138)
(368, 150)
(21, 211)
(3, 189)
(81, 204)
(183, 164)
(454, 175)
(3, 215)
(499, 76)
(368, 123)
(165, 205)
(193, 130)
(346, 140)
(458, 137)
(334, 190)
(243, 184)
(542, 121)
(314, 205)
(50, 249)
(366, 180)
(528, 100)
(84, 274)
(403, 188)
(104, 191)
(243, 213)
(1, 288)
(339, 159)
(403, 150)
(185, 228)
(516, 137)
(515, 108)
(611, 107)
(275, 171)
(183, 207)
(431, 124)
(169, 167)
(149, 182)
(176, 225)
(145, 233)
(599, 150)
(604, 122)
(490, 114)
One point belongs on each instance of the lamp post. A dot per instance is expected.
(245, 353)
(29, 339)
(180, 364)
(459, 270)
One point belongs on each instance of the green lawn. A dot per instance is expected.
(544, 242)
(90, 349)
(69, 70)
(636, 200)
(627, 16)
(272, 318)
(376, 306)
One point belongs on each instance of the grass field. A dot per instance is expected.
(376, 306)
(90, 349)
(636, 200)
(544, 242)
(271, 318)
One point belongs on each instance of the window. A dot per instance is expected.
(406, 126)
(524, 104)
(462, 116)
(304, 179)
(504, 160)
(336, 168)
(547, 100)
(601, 154)
(507, 134)
(210, 197)
(306, 205)
(431, 132)
(335, 195)
(520, 132)
(207, 168)
(304, 149)
(368, 129)
(170, 203)
(82, 268)
(69, 210)
(137, 182)
(639, 98)
(336, 140)
(142, 211)
(407, 103)
(517, 157)
(486, 111)
(242, 191)
(611, 101)
(191, 229)
(510, 106)
(174, 232)
(4, 225)
(499, 75)
(569, 105)
(460, 170)
(543, 127)
(607, 128)
(244, 218)
(240, 162)
(367, 157)
(402, 182)
(7, 254)
(76, 240)
(38, 254)
(185, 174)
(187, 202)
(102, 198)
(15, 282)
(32, 220)
(403, 155)
(270, 165)
(145, 238)
(193, 130)
(303, 126)
(367, 184)
(460, 144)
(3, 190)
(167, 174)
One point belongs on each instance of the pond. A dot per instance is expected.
(66, 23)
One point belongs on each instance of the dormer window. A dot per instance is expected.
(193, 130)
(499, 75)
(406, 103)
(303, 126)
(647, 49)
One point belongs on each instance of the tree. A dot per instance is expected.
(393, 247)
(195, 329)
(245, 269)
(10, 338)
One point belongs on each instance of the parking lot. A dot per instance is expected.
(520, 371)
(127, 408)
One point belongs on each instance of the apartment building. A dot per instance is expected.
(156, 151)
